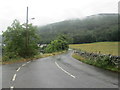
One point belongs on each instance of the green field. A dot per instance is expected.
(102, 47)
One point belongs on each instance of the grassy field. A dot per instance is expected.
(102, 47)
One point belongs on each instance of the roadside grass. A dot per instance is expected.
(16, 60)
(98, 47)
(91, 62)
(48, 54)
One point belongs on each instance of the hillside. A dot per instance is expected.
(95, 28)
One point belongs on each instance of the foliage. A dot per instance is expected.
(15, 41)
(102, 63)
(96, 28)
(65, 37)
(57, 45)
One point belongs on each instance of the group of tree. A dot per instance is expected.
(14, 43)
(21, 40)
(95, 28)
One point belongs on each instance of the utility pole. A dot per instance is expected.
(27, 32)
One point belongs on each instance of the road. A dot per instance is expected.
(61, 71)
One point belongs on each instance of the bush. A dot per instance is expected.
(9, 55)
(102, 62)
(56, 45)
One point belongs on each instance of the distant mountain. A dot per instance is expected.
(94, 28)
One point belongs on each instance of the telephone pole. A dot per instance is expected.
(27, 31)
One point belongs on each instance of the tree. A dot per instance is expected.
(15, 39)
(57, 45)
(65, 37)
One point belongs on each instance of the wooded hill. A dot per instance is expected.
(95, 28)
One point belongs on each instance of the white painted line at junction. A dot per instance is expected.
(64, 70)
(11, 88)
(18, 69)
(14, 77)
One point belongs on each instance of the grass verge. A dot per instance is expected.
(32, 58)
(91, 62)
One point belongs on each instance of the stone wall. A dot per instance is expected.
(113, 60)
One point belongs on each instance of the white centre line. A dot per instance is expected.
(23, 65)
(18, 69)
(14, 77)
(64, 70)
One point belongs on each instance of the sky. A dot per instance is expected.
(50, 11)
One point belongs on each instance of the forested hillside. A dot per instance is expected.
(95, 28)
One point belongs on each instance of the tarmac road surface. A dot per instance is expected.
(61, 71)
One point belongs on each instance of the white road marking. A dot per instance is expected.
(23, 65)
(18, 69)
(65, 70)
(11, 87)
(28, 61)
(14, 77)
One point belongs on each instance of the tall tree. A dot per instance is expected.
(15, 39)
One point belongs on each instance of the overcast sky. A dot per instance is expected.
(49, 11)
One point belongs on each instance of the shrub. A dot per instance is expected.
(56, 45)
